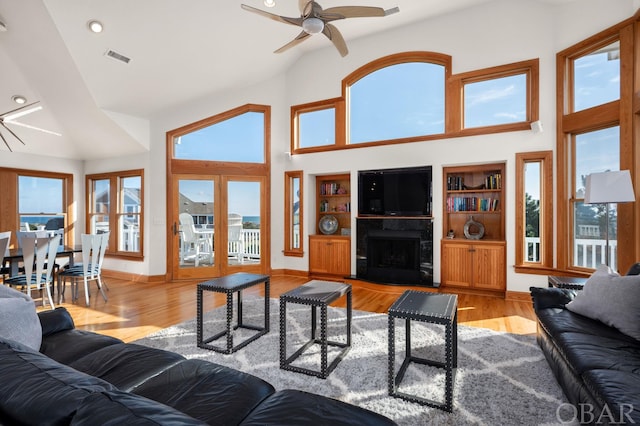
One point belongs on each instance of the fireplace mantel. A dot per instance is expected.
(408, 246)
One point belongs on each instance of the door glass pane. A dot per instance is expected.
(196, 198)
(532, 179)
(596, 77)
(240, 138)
(131, 204)
(243, 224)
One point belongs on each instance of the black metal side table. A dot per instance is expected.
(430, 308)
(230, 284)
(315, 294)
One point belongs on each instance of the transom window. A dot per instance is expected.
(237, 138)
(596, 77)
(495, 101)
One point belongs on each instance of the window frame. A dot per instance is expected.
(289, 176)
(115, 207)
(10, 217)
(570, 123)
(454, 106)
(545, 158)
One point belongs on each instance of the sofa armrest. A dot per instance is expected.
(56, 320)
(551, 297)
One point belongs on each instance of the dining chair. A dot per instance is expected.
(38, 253)
(193, 244)
(4, 269)
(94, 247)
(235, 239)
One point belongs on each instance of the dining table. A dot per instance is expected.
(15, 256)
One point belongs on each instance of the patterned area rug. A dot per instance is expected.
(502, 378)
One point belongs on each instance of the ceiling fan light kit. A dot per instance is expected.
(315, 20)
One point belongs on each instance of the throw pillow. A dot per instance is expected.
(611, 299)
(18, 318)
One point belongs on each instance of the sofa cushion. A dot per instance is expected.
(207, 391)
(619, 391)
(69, 345)
(545, 297)
(126, 365)
(294, 407)
(55, 320)
(585, 352)
(121, 408)
(18, 318)
(37, 390)
(612, 299)
(557, 321)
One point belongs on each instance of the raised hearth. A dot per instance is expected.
(395, 251)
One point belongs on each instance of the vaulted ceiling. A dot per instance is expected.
(179, 50)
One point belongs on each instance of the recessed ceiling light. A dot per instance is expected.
(95, 26)
(19, 99)
(270, 3)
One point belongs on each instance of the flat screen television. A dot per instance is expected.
(395, 192)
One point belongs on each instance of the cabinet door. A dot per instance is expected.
(489, 266)
(319, 255)
(456, 264)
(340, 257)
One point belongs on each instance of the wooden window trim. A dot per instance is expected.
(114, 209)
(454, 85)
(546, 212)
(288, 213)
(615, 113)
(9, 214)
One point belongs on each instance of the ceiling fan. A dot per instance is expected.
(10, 117)
(314, 20)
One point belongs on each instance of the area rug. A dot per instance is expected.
(501, 378)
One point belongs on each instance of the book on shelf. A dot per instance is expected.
(472, 204)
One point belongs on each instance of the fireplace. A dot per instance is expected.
(395, 251)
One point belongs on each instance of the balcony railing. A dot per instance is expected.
(587, 253)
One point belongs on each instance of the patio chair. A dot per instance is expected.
(194, 245)
(235, 237)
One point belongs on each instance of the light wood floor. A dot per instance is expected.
(135, 310)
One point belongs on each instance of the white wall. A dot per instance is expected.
(493, 34)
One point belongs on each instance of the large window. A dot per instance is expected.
(36, 200)
(413, 96)
(115, 203)
(596, 128)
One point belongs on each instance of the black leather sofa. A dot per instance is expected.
(597, 366)
(84, 378)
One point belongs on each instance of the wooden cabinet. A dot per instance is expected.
(333, 197)
(479, 265)
(329, 255)
(473, 207)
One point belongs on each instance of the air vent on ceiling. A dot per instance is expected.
(117, 56)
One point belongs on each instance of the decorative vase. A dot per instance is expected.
(473, 230)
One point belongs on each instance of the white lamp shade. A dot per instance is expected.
(609, 187)
(312, 25)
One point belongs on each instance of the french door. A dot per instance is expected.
(217, 225)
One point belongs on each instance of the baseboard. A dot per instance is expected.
(294, 272)
(128, 276)
(518, 296)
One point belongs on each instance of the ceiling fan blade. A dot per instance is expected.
(296, 41)
(4, 114)
(336, 38)
(352, 12)
(284, 19)
(11, 131)
(29, 126)
(5, 142)
(302, 6)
